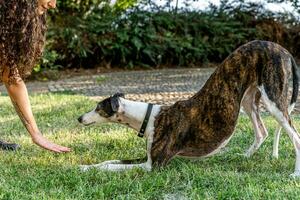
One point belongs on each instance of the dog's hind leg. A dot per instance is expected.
(295, 76)
(250, 104)
(283, 119)
(278, 133)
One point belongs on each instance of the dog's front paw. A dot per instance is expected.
(296, 174)
(84, 168)
(249, 153)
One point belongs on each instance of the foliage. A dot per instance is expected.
(90, 33)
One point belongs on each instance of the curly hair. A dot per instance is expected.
(22, 37)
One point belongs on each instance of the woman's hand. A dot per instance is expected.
(40, 140)
(18, 94)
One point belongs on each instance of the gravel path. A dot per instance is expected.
(157, 86)
(164, 86)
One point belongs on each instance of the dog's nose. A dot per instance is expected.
(80, 119)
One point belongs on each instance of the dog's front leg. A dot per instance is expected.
(88, 167)
(119, 165)
(123, 167)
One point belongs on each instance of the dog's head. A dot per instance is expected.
(104, 110)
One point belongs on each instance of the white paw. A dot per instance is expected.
(275, 155)
(84, 168)
(242, 154)
(296, 174)
(248, 154)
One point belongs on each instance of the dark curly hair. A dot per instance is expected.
(22, 37)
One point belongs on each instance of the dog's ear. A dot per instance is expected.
(118, 94)
(109, 106)
(114, 102)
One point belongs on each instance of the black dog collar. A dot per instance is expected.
(145, 122)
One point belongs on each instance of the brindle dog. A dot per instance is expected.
(201, 125)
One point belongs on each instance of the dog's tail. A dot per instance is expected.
(295, 72)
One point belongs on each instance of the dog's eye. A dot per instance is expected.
(103, 113)
(99, 109)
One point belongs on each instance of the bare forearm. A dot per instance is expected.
(19, 97)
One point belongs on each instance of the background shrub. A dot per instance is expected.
(92, 33)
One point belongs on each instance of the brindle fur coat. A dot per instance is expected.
(197, 126)
(22, 37)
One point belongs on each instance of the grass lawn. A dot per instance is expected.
(33, 173)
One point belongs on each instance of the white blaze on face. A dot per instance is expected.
(92, 117)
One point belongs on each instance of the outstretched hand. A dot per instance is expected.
(19, 97)
(46, 144)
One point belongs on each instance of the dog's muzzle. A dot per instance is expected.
(80, 120)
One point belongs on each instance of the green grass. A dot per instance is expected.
(33, 173)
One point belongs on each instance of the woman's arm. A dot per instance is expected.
(18, 94)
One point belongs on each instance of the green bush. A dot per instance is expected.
(92, 33)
